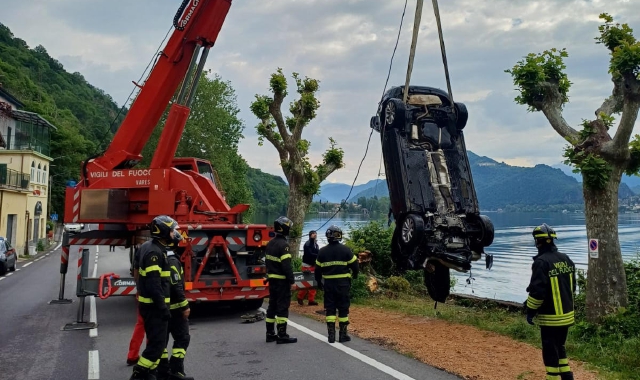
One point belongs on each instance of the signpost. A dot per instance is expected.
(593, 248)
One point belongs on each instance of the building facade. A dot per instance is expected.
(25, 160)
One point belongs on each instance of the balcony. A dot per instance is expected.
(12, 179)
(32, 132)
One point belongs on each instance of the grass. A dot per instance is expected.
(614, 358)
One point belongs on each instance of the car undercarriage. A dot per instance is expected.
(431, 190)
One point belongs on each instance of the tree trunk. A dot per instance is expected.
(606, 279)
(296, 211)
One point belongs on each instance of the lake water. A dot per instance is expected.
(512, 247)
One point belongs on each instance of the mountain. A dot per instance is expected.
(633, 181)
(270, 192)
(500, 185)
(336, 192)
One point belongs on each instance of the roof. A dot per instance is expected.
(5, 94)
(32, 118)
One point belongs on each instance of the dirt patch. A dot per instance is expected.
(463, 350)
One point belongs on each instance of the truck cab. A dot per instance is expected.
(199, 166)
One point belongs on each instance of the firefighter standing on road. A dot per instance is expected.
(309, 257)
(551, 295)
(173, 369)
(154, 295)
(336, 265)
(281, 282)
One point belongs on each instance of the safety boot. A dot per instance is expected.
(283, 337)
(313, 303)
(139, 373)
(343, 333)
(162, 370)
(176, 371)
(566, 376)
(271, 332)
(331, 332)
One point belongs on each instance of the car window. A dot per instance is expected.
(3, 246)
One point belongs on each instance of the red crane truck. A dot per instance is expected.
(223, 257)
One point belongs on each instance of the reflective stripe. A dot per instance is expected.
(149, 300)
(332, 263)
(277, 276)
(544, 235)
(281, 320)
(270, 320)
(179, 304)
(552, 370)
(563, 361)
(343, 319)
(285, 256)
(556, 320)
(165, 354)
(278, 259)
(352, 260)
(533, 303)
(152, 268)
(557, 298)
(330, 276)
(565, 368)
(178, 353)
(144, 362)
(165, 273)
(331, 318)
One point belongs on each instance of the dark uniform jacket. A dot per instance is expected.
(278, 260)
(552, 288)
(336, 261)
(178, 299)
(153, 275)
(311, 250)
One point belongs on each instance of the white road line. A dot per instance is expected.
(27, 264)
(93, 313)
(9, 274)
(59, 245)
(349, 351)
(17, 269)
(94, 365)
(2, 278)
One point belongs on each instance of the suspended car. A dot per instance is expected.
(433, 199)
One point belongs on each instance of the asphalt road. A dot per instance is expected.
(34, 347)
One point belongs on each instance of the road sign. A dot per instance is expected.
(593, 248)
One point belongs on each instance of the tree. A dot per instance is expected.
(286, 136)
(543, 86)
(213, 132)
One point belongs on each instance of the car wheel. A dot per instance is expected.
(488, 231)
(394, 114)
(437, 280)
(462, 115)
(13, 267)
(3, 269)
(412, 229)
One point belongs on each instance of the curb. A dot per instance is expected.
(57, 238)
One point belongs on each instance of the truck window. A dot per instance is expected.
(205, 170)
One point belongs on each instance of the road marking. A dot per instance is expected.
(27, 264)
(36, 260)
(17, 269)
(59, 245)
(93, 313)
(349, 351)
(94, 365)
(9, 274)
(2, 278)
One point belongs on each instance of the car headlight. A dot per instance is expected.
(257, 236)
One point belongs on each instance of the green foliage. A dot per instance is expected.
(596, 171)
(376, 238)
(42, 245)
(270, 192)
(359, 289)
(532, 73)
(84, 115)
(625, 49)
(398, 284)
(633, 167)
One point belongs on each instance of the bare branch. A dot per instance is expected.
(630, 106)
(328, 169)
(276, 112)
(271, 137)
(553, 113)
(612, 104)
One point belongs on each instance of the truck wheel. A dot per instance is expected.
(412, 230)
(394, 114)
(488, 231)
(437, 281)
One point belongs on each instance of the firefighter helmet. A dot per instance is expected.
(334, 233)
(282, 225)
(165, 228)
(544, 234)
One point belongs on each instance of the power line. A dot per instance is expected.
(371, 133)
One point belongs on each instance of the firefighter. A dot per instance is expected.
(550, 301)
(281, 282)
(154, 294)
(336, 265)
(173, 369)
(309, 257)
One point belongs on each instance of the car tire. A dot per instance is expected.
(462, 115)
(3, 269)
(393, 114)
(488, 231)
(13, 268)
(411, 230)
(437, 280)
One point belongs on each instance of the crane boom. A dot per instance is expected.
(197, 23)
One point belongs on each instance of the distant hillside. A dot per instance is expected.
(336, 192)
(499, 185)
(270, 192)
(633, 181)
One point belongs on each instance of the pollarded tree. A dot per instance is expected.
(600, 158)
(285, 133)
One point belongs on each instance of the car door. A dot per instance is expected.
(11, 255)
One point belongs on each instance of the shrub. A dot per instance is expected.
(376, 238)
(41, 245)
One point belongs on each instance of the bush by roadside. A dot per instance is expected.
(613, 346)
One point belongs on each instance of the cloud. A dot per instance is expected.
(347, 45)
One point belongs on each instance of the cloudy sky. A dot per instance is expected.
(347, 45)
